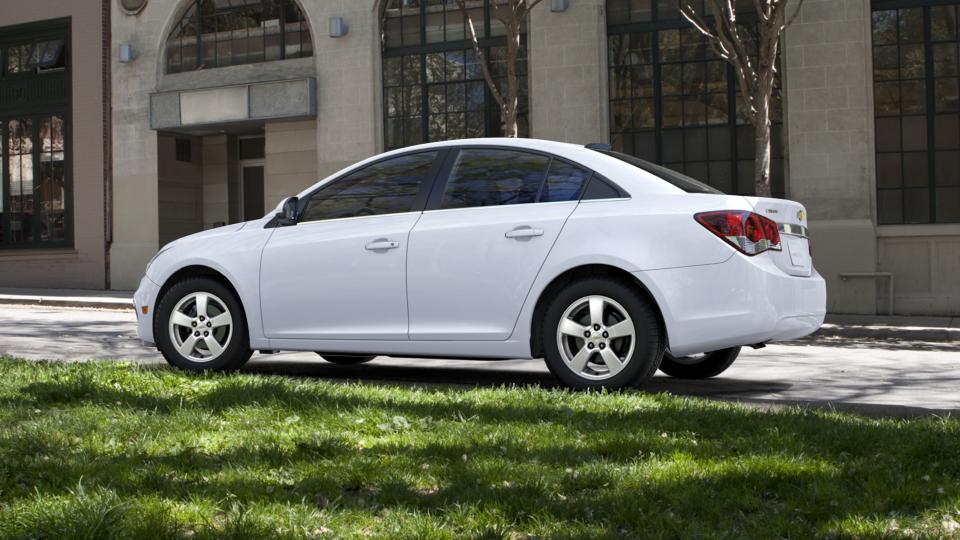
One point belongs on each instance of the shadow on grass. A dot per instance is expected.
(526, 455)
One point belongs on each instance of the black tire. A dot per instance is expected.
(710, 365)
(347, 359)
(648, 345)
(237, 351)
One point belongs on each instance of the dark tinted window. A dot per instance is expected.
(679, 180)
(433, 83)
(672, 100)
(917, 112)
(564, 183)
(487, 177)
(386, 187)
(600, 189)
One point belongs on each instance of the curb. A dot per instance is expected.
(118, 304)
(939, 335)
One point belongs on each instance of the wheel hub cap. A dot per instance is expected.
(596, 337)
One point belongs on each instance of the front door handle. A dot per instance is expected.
(524, 232)
(382, 244)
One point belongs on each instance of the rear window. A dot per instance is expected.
(681, 181)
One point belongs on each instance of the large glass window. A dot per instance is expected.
(34, 135)
(673, 102)
(219, 33)
(433, 85)
(917, 109)
(386, 187)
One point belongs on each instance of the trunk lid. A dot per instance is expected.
(791, 217)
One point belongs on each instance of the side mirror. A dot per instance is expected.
(288, 212)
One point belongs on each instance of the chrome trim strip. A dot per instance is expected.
(794, 230)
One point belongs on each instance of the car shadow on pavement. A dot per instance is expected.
(754, 393)
(484, 376)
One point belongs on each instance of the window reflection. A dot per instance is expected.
(387, 187)
(433, 84)
(36, 56)
(219, 33)
(485, 177)
(51, 190)
(915, 91)
(690, 125)
(20, 186)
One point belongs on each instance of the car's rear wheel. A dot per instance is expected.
(200, 326)
(347, 359)
(601, 332)
(700, 366)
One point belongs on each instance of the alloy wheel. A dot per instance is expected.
(201, 327)
(596, 337)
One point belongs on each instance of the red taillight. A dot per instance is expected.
(748, 232)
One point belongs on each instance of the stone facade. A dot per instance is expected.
(829, 114)
(829, 134)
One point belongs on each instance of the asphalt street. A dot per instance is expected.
(865, 375)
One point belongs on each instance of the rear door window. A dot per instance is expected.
(494, 177)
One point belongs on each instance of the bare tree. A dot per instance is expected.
(756, 75)
(512, 14)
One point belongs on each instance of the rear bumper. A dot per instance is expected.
(742, 301)
(146, 296)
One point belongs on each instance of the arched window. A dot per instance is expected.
(433, 86)
(219, 33)
(674, 102)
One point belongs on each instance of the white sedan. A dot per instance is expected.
(607, 266)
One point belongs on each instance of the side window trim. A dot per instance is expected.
(419, 203)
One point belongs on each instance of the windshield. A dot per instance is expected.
(681, 181)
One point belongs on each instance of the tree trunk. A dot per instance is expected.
(762, 133)
(511, 98)
(761, 168)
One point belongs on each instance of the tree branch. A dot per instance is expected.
(794, 16)
(481, 58)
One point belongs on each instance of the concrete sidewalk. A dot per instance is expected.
(869, 376)
(876, 327)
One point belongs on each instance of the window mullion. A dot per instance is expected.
(5, 238)
(931, 115)
(35, 157)
(657, 98)
(283, 29)
(198, 57)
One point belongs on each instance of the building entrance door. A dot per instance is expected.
(251, 181)
(251, 153)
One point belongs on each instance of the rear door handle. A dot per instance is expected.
(382, 244)
(524, 232)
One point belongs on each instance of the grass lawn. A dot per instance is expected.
(108, 450)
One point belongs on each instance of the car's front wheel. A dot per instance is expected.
(601, 332)
(700, 366)
(347, 359)
(200, 326)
